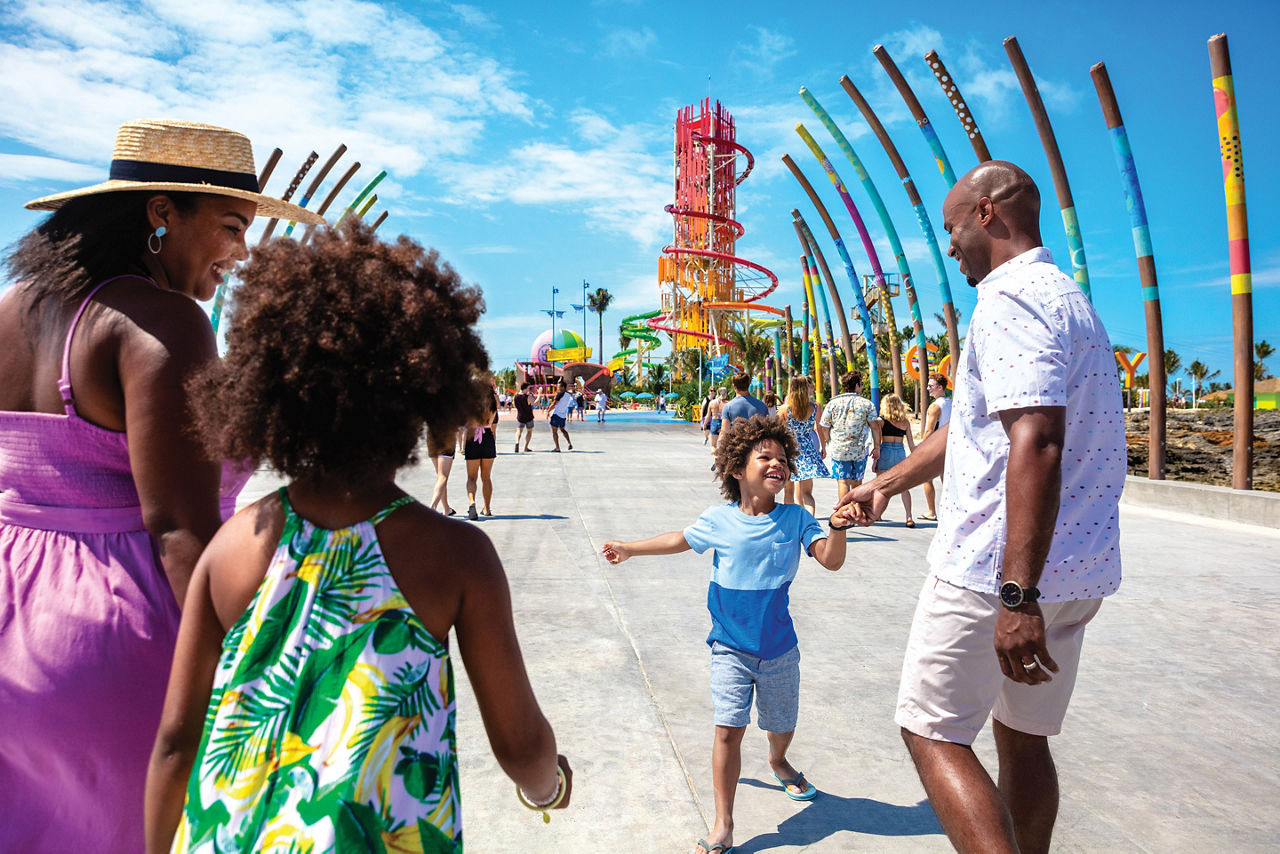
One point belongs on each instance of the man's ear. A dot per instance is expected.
(986, 210)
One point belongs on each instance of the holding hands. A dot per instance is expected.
(861, 505)
(615, 552)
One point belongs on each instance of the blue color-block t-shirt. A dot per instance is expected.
(753, 560)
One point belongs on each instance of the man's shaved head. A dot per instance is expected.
(992, 214)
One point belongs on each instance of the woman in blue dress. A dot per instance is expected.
(801, 413)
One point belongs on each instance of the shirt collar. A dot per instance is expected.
(1040, 254)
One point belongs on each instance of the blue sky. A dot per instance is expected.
(532, 143)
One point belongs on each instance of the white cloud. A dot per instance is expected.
(473, 16)
(767, 50)
(27, 167)
(623, 42)
(396, 92)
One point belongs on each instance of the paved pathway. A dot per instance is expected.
(1169, 745)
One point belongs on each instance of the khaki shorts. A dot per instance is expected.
(951, 679)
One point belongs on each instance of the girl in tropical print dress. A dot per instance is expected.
(801, 413)
(311, 706)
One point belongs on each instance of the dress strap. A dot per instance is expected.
(390, 508)
(64, 380)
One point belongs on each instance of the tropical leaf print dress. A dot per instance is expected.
(331, 723)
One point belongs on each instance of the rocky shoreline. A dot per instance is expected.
(1198, 446)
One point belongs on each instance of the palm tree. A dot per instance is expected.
(598, 302)
(657, 377)
(1172, 364)
(1199, 372)
(754, 348)
(1261, 351)
(624, 376)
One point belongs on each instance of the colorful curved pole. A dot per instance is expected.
(791, 353)
(868, 332)
(808, 311)
(895, 348)
(963, 113)
(382, 217)
(890, 149)
(288, 194)
(362, 195)
(1146, 267)
(872, 370)
(1075, 244)
(846, 342)
(806, 239)
(1224, 101)
(317, 181)
(917, 112)
(328, 200)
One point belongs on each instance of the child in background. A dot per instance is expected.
(313, 652)
(756, 544)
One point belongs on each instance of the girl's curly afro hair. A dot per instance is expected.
(339, 354)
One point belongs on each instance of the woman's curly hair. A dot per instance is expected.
(739, 439)
(339, 354)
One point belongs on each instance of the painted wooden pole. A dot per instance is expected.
(1224, 100)
(288, 193)
(917, 113)
(868, 332)
(791, 356)
(846, 343)
(1079, 270)
(963, 113)
(922, 216)
(333, 194)
(1146, 268)
(317, 181)
(869, 186)
(907, 284)
(806, 237)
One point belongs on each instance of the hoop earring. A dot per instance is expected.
(154, 248)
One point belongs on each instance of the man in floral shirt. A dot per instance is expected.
(846, 422)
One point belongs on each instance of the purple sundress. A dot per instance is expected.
(87, 628)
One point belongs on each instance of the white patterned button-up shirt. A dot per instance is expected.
(1034, 340)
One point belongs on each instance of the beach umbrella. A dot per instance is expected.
(671, 395)
(628, 394)
(645, 395)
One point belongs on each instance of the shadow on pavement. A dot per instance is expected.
(828, 814)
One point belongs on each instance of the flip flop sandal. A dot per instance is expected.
(718, 848)
(807, 795)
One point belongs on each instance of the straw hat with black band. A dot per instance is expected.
(167, 155)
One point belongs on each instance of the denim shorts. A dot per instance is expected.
(848, 469)
(775, 682)
(891, 453)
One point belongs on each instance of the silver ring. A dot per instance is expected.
(1032, 666)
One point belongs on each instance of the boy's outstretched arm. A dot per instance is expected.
(670, 543)
(830, 551)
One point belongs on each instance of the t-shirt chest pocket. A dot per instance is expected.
(786, 558)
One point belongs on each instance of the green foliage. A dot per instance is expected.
(1261, 351)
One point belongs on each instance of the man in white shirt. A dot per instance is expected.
(1028, 539)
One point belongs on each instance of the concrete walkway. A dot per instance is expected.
(1169, 746)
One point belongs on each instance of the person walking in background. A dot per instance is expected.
(1027, 547)
(800, 413)
(441, 450)
(895, 428)
(704, 417)
(312, 655)
(106, 500)
(558, 412)
(756, 544)
(602, 404)
(771, 403)
(715, 421)
(847, 423)
(480, 447)
(580, 402)
(524, 417)
(743, 404)
(937, 415)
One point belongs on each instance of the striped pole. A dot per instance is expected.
(895, 347)
(316, 182)
(1080, 271)
(868, 332)
(914, 197)
(288, 194)
(1224, 99)
(963, 113)
(917, 112)
(1146, 268)
(806, 237)
(328, 200)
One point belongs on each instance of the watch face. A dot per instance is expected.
(1011, 594)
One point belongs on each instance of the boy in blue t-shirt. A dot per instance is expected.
(755, 544)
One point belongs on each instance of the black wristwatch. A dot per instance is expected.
(1014, 595)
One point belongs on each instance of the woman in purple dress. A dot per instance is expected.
(106, 500)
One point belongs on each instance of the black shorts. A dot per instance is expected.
(485, 449)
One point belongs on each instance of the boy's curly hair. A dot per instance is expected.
(739, 439)
(339, 353)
